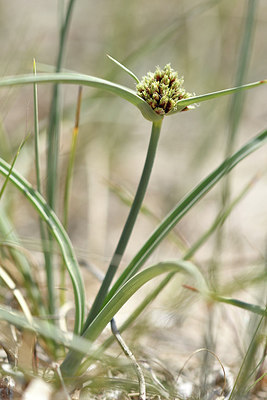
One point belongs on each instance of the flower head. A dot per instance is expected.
(162, 89)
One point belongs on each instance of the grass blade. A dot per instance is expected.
(181, 104)
(36, 132)
(68, 182)
(189, 254)
(85, 80)
(241, 304)
(59, 234)
(46, 329)
(124, 68)
(54, 119)
(236, 106)
(44, 239)
(237, 102)
(151, 296)
(71, 160)
(53, 136)
(133, 316)
(73, 359)
(184, 206)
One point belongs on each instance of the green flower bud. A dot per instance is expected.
(162, 89)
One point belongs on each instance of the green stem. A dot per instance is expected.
(52, 154)
(128, 227)
(53, 129)
(50, 288)
(67, 190)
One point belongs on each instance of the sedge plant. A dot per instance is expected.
(158, 95)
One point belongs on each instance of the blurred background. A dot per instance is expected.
(203, 41)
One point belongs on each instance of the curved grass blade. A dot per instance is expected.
(86, 80)
(47, 330)
(189, 253)
(132, 317)
(181, 104)
(241, 304)
(73, 359)
(59, 234)
(67, 189)
(184, 206)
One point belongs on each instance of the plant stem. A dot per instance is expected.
(128, 227)
(130, 355)
(53, 129)
(52, 153)
(68, 182)
(38, 185)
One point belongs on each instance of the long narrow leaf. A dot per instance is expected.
(86, 80)
(241, 304)
(127, 70)
(181, 104)
(47, 330)
(53, 131)
(59, 234)
(73, 359)
(47, 254)
(184, 206)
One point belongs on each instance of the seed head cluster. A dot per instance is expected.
(162, 89)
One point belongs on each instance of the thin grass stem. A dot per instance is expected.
(53, 134)
(36, 132)
(130, 355)
(49, 276)
(11, 168)
(235, 111)
(53, 128)
(128, 227)
(67, 190)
